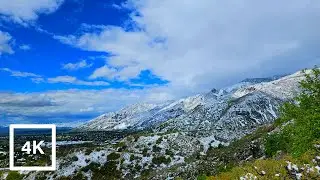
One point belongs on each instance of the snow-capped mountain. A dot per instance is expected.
(122, 119)
(283, 88)
(142, 115)
(237, 109)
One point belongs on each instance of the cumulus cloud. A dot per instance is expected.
(24, 12)
(75, 81)
(6, 41)
(75, 66)
(201, 44)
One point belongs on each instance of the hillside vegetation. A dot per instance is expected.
(292, 148)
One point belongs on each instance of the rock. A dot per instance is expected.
(289, 167)
(248, 176)
(317, 146)
(298, 176)
(295, 168)
(318, 168)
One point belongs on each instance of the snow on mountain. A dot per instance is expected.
(122, 119)
(246, 114)
(142, 115)
(284, 88)
(238, 109)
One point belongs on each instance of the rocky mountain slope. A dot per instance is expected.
(227, 113)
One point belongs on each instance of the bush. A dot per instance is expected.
(108, 171)
(13, 175)
(92, 166)
(169, 153)
(156, 148)
(202, 177)
(137, 167)
(132, 157)
(145, 173)
(159, 140)
(274, 143)
(88, 152)
(113, 156)
(161, 160)
(75, 158)
(64, 178)
(79, 176)
(145, 152)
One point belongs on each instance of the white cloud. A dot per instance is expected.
(75, 66)
(116, 6)
(200, 44)
(5, 43)
(68, 105)
(24, 12)
(25, 47)
(38, 80)
(122, 74)
(19, 73)
(75, 81)
(59, 79)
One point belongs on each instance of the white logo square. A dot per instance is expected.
(53, 146)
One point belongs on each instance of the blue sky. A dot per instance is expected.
(45, 56)
(71, 60)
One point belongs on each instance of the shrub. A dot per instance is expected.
(159, 140)
(113, 156)
(13, 175)
(92, 166)
(75, 158)
(64, 178)
(88, 152)
(137, 167)
(274, 143)
(132, 157)
(156, 148)
(161, 160)
(145, 152)
(79, 176)
(169, 153)
(202, 177)
(145, 173)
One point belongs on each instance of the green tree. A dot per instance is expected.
(302, 117)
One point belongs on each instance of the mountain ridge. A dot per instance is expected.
(150, 115)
